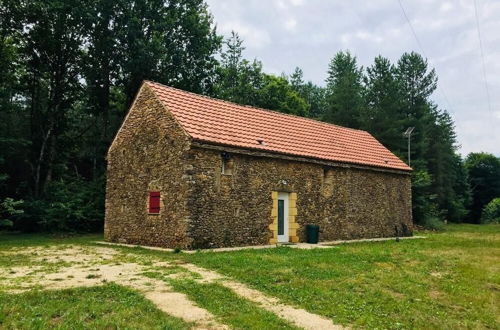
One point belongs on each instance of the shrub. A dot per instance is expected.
(69, 205)
(491, 212)
(433, 223)
(9, 209)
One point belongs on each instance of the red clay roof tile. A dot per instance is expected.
(221, 122)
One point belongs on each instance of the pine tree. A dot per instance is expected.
(344, 91)
(230, 69)
(297, 80)
(314, 95)
(416, 83)
(448, 181)
(382, 116)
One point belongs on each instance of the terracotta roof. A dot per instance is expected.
(219, 122)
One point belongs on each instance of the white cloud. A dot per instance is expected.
(253, 36)
(290, 24)
(446, 6)
(297, 3)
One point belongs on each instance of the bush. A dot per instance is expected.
(69, 205)
(491, 212)
(433, 223)
(9, 209)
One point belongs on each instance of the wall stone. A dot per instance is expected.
(347, 203)
(204, 208)
(148, 154)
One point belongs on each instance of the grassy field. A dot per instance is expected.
(103, 307)
(449, 280)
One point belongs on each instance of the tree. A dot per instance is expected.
(277, 94)
(239, 80)
(101, 70)
(344, 91)
(172, 42)
(314, 95)
(244, 82)
(425, 208)
(416, 83)
(297, 80)
(68, 71)
(449, 179)
(491, 212)
(52, 37)
(382, 115)
(484, 178)
(230, 70)
(459, 210)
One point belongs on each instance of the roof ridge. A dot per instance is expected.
(256, 108)
(223, 122)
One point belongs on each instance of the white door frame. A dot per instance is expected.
(283, 203)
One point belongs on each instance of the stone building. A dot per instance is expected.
(191, 171)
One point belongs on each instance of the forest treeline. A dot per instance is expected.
(69, 70)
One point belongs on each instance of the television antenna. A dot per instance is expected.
(407, 134)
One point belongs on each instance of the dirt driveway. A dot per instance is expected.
(79, 266)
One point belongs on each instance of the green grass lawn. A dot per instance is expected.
(230, 309)
(102, 307)
(13, 240)
(448, 280)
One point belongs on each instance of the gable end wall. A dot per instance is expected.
(148, 154)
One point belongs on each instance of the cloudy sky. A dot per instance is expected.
(284, 34)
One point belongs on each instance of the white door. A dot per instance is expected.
(283, 218)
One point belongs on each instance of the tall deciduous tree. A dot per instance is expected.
(277, 94)
(53, 33)
(484, 178)
(101, 69)
(69, 70)
(173, 42)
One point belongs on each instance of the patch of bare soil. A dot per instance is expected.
(434, 294)
(297, 316)
(84, 272)
(91, 266)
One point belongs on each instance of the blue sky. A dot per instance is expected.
(284, 34)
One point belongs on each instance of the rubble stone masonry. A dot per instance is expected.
(203, 208)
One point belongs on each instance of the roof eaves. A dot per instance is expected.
(206, 144)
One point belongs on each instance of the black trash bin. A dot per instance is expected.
(312, 233)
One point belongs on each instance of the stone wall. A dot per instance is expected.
(148, 154)
(347, 203)
(203, 208)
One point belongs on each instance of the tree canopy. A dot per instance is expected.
(69, 71)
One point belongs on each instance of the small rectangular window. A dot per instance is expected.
(154, 202)
(227, 166)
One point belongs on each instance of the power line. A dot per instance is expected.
(482, 60)
(411, 28)
(441, 90)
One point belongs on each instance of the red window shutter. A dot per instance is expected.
(154, 202)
